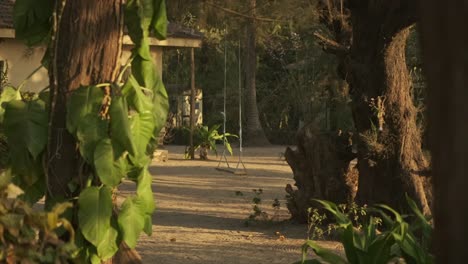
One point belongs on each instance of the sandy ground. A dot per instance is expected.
(199, 218)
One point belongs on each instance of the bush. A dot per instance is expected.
(377, 243)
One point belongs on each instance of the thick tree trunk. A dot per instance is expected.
(322, 170)
(88, 50)
(444, 41)
(391, 161)
(255, 136)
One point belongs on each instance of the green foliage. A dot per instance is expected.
(206, 138)
(115, 126)
(371, 244)
(20, 227)
(32, 20)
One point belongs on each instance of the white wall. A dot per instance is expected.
(22, 61)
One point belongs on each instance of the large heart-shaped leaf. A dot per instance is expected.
(108, 246)
(138, 17)
(135, 96)
(91, 130)
(83, 102)
(94, 214)
(110, 172)
(32, 20)
(132, 219)
(142, 127)
(146, 74)
(25, 125)
(144, 190)
(120, 127)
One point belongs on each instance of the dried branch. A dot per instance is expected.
(233, 12)
(331, 46)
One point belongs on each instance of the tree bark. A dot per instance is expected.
(391, 161)
(370, 41)
(322, 170)
(255, 136)
(88, 49)
(444, 42)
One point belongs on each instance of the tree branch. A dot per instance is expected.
(233, 12)
(331, 46)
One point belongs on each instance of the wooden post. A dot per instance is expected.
(192, 105)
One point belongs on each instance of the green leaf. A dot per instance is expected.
(32, 20)
(144, 190)
(148, 229)
(25, 125)
(83, 102)
(142, 127)
(120, 127)
(110, 172)
(138, 17)
(94, 214)
(159, 21)
(108, 246)
(132, 220)
(135, 96)
(146, 75)
(91, 130)
(324, 254)
(8, 94)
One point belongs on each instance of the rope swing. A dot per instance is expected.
(240, 168)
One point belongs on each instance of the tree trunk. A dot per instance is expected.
(391, 161)
(322, 170)
(444, 42)
(255, 136)
(88, 50)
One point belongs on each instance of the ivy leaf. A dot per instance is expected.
(131, 220)
(84, 101)
(159, 21)
(120, 127)
(32, 20)
(142, 127)
(25, 125)
(8, 94)
(91, 130)
(94, 214)
(110, 172)
(108, 246)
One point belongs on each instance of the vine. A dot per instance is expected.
(115, 125)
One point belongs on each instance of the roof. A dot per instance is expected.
(173, 30)
(6, 13)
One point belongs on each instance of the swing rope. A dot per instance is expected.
(224, 157)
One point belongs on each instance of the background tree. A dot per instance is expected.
(369, 38)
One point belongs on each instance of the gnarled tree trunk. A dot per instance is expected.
(391, 161)
(322, 170)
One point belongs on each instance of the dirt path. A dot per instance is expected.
(200, 219)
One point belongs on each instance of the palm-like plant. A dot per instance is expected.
(205, 139)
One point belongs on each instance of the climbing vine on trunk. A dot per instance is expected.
(114, 126)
